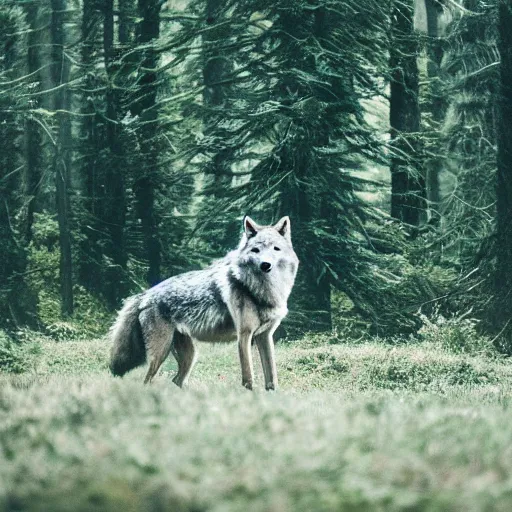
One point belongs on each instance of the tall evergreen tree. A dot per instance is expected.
(144, 105)
(407, 176)
(297, 134)
(217, 67)
(502, 313)
(469, 80)
(15, 309)
(90, 150)
(436, 106)
(33, 160)
(115, 186)
(62, 156)
(104, 164)
(126, 12)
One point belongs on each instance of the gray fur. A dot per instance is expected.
(242, 296)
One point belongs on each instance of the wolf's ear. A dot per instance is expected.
(250, 227)
(283, 228)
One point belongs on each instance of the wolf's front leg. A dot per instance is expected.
(244, 348)
(265, 343)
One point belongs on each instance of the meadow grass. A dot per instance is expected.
(353, 427)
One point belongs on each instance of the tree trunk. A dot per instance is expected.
(12, 254)
(104, 267)
(89, 269)
(126, 16)
(437, 104)
(33, 139)
(115, 207)
(501, 315)
(145, 107)
(62, 156)
(407, 180)
(216, 68)
(216, 65)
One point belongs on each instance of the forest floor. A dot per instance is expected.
(353, 427)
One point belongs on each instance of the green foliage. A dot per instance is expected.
(347, 324)
(456, 334)
(91, 319)
(244, 107)
(413, 365)
(12, 357)
(43, 257)
(404, 290)
(403, 283)
(469, 78)
(291, 137)
(13, 105)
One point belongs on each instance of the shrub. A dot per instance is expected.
(458, 334)
(12, 357)
(91, 318)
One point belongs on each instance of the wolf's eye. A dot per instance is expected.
(276, 249)
(255, 250)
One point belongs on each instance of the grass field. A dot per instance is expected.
(353, 427)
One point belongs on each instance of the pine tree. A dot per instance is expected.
(470, 76)
(115, 168)
(33, 137)
(62, 156)
(502, 304)
(217, 67)
(144, 105)
(408, 189)
(16, 306)
(91, 151)
(435, 107)
(296, 134)
(105, 166)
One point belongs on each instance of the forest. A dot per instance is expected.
(135, 135)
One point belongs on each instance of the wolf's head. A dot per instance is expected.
(268, 249)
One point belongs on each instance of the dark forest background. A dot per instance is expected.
(135, 134)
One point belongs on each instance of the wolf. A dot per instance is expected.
(242, 296)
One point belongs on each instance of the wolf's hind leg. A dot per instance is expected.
(158, 334)
(184, 351)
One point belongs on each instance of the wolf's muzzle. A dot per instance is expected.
(266, 267)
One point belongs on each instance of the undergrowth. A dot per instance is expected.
(91, 317)
(12, 356)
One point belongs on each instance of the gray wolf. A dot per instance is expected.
(242, 296)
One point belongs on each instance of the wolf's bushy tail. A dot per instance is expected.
(128, 350)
